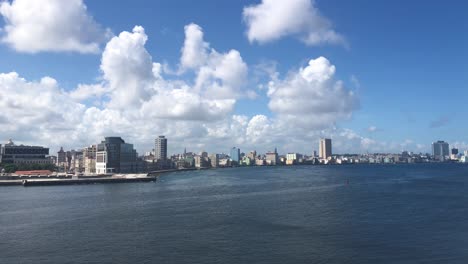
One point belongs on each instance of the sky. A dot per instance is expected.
(374, 76)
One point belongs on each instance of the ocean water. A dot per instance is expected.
(301, 214)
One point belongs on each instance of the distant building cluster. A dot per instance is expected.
(114, 155)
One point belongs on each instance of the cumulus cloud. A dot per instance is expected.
(33, 26)
(311, 98)
(37, 110)
(219, 75)
(271, 20)
(134, 83)
(87, 91)
(135, 101)
(258, 128)
(138, 102)
(194, 51)
(41, 113)
(128, 68)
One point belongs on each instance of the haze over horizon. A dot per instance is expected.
(375, 76)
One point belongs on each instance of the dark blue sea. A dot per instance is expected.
(302, 214)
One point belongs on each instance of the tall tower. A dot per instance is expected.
(440, 150)
(325, 148)
(235, 154)
(160, 148)
(61, 156)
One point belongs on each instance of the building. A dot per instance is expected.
(259, 162)
(440, 150)
(293, 158)
(160, 148)
(53, 159)
(61, 156)
(11, 153)
(113, 155)
(214, 158)
(271, 158)
(464, 159)
(246, 161)
(62, 160)
(252, 155)
(235, 155)
(89, 159)
(34, 173)
(202, 162)
(225, 162)
(325, 148)
(77, 161)
(290, 158)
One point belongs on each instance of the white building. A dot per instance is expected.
(325, 150)
(160, 148)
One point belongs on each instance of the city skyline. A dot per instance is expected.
(114, 155)
(208, 79)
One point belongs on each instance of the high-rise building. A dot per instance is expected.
(160, 148)
(271, 158)
(325, 150)
(214, 159)
(114, 155)
(235, 154)
(454, 151)
(440, 150)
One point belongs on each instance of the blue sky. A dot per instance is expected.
(404, 61)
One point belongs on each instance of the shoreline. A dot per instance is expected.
(49, 180)
(68, 181)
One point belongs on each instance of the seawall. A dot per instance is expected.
(49, 182)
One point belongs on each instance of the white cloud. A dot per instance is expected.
(137, 102)
(86, 91)
(311, 98)
(128, 68)
(37, 110)
(372, 129)
(258, 128)
(135, 80)
(33, 26)
(194, 51)
(219, 75)
(271, 20)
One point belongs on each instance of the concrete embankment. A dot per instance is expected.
(44, 180)
(48, 182)
(10, 182)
